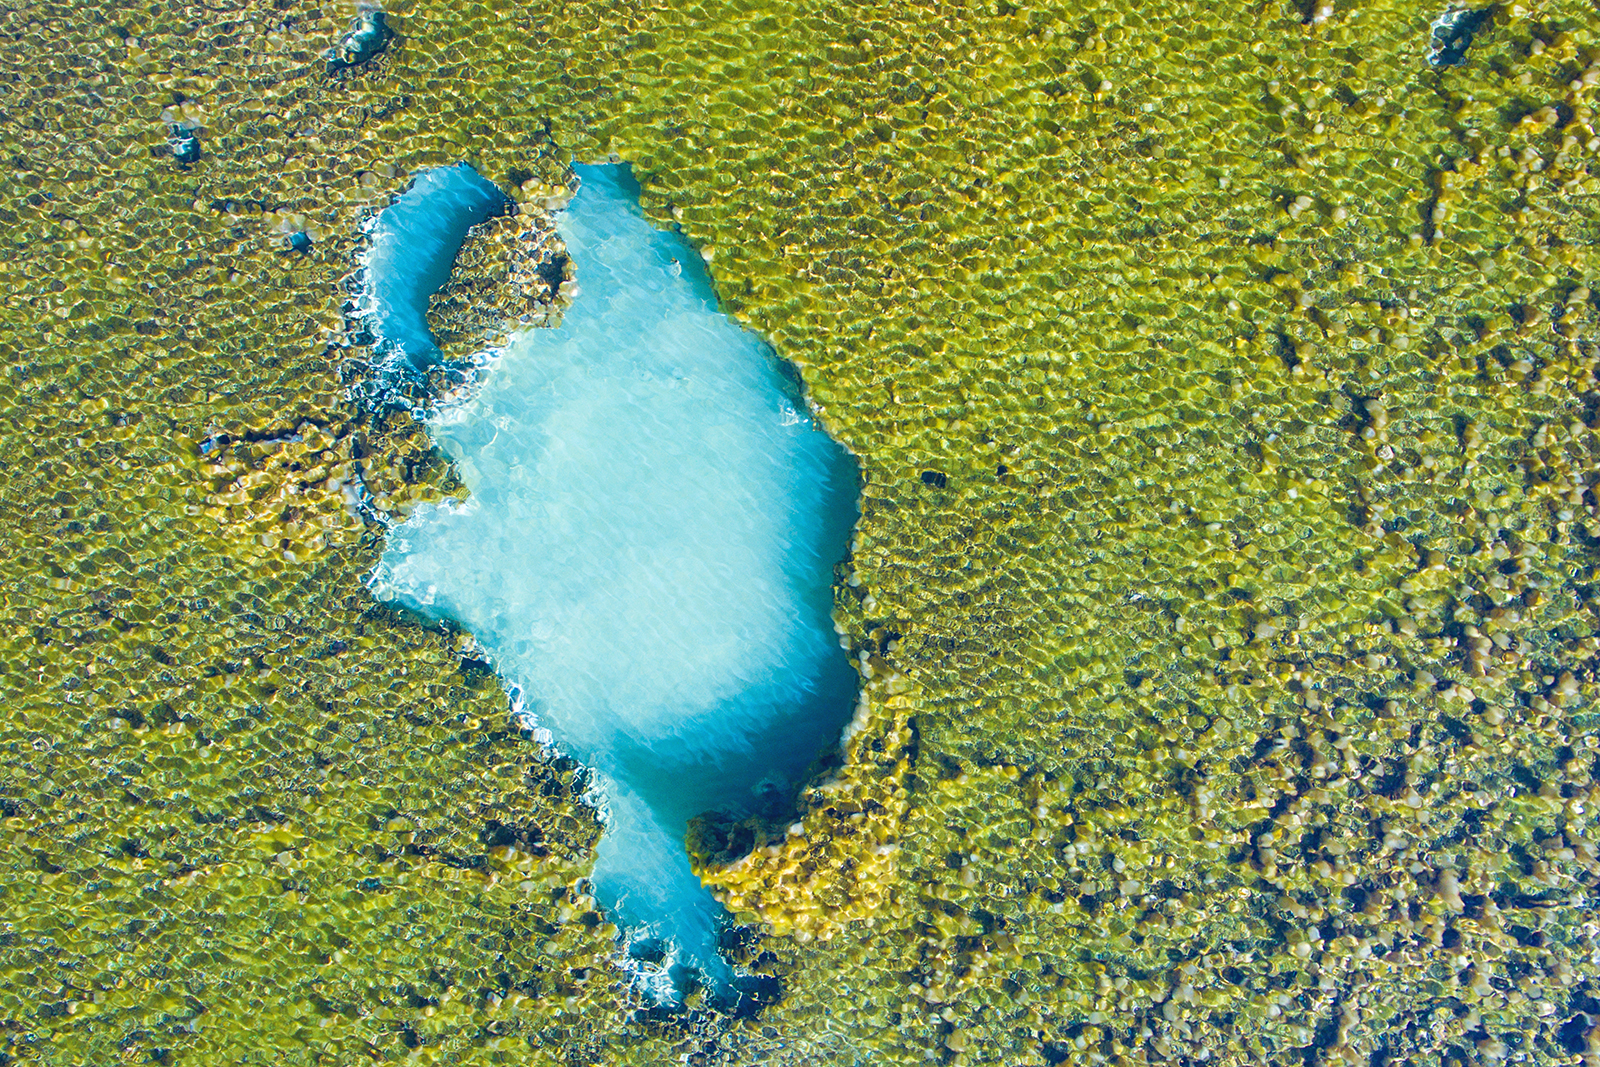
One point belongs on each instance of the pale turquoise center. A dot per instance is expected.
(647, 552)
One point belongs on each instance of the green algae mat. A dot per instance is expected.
(1224, 383)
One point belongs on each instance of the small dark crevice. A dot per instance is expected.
(1452, 34)
(368, 36)
(553, 272)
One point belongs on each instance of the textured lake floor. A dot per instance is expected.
(1223, 385)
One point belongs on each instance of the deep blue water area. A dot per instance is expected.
(648, 548)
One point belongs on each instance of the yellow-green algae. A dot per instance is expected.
(1232, 701)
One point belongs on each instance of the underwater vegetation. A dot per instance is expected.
(1223, 385)
(647, 551)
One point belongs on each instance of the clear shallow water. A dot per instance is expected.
(647, 551)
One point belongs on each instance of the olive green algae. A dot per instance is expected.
(1231, 700)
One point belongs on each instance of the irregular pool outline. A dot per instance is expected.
(642, 872)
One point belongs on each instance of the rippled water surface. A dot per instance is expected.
(647, 552)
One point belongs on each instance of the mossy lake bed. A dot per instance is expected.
(1223, 384)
